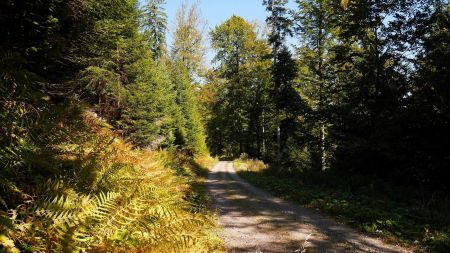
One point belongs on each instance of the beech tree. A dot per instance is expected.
(244, 67)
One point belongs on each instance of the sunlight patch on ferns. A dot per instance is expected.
(118, 199)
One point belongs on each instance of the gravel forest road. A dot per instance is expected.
(252, 220)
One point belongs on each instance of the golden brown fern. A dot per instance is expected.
(135, 203)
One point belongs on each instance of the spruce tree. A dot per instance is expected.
(284, 72)
(154, 22)
(191, 131)
(148, 116)
(314, 23)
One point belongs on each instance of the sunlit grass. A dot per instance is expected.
(244, 163)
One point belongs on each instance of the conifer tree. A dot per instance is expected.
(284, 72)
(429, 101)
(148, 116)
(314, 22)
(191, 130)
(372, 77)
(155, 26)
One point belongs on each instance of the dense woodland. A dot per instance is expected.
(353, 118)
(104, 126)
(357, 109)
(82, 80)
(365, 89)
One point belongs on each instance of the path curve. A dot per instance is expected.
(252, 220)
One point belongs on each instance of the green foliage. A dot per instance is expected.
(243, 93)
(188, 38)
(280, 23)
(104, 86)
(429, 104)
(190, 132)
(67, 182)
(155, 26)
(148, 114)
(287, 102)
(314, 28)
(366, 91)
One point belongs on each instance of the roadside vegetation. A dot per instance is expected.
(399, 214)
(106, 195)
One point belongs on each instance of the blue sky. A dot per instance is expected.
(217, 11)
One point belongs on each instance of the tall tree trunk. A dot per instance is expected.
(278, 139)
(320, 56)
(263, 135)
(322, 147)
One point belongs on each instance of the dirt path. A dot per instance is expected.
(254, 221)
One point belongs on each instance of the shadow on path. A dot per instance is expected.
(255, 221)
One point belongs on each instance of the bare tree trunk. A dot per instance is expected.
(278, 139)
(263, 135)
(322, 148)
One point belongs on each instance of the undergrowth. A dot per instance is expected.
(243, 163)
(398, 214)
(74, 185)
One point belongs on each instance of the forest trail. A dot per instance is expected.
(252, 220)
